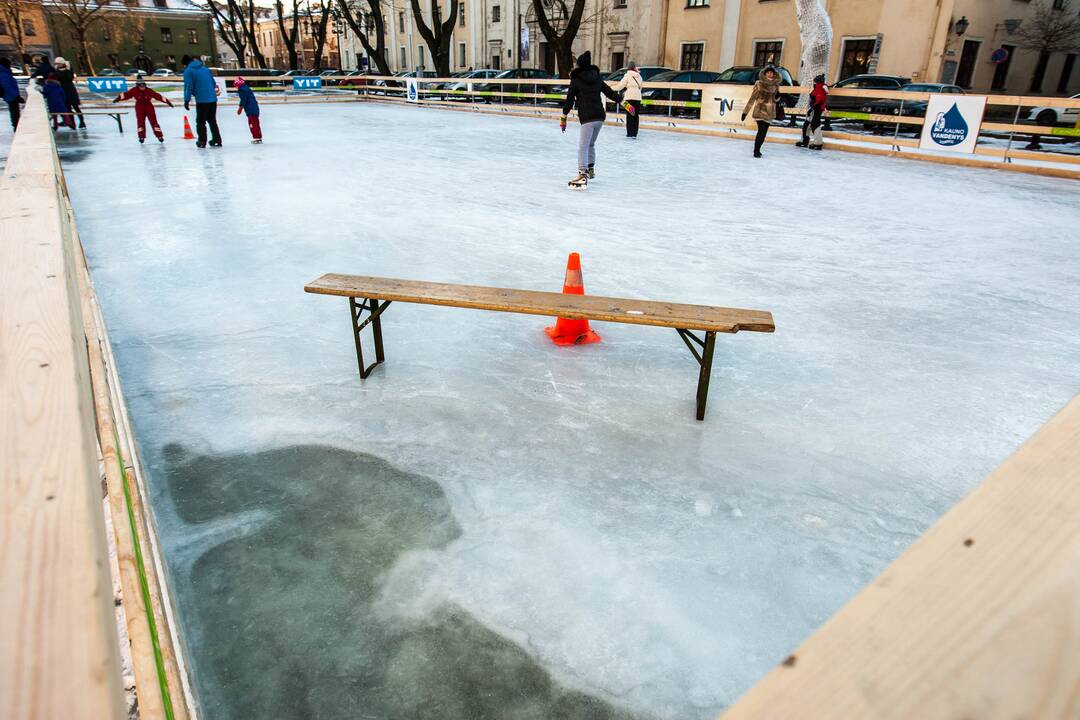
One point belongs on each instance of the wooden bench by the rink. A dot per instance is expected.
(374, 294)
(114, 114)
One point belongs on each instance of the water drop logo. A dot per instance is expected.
(950, 128)
(412, 91)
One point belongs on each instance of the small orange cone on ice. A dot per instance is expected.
(572, 332)
(188, 135)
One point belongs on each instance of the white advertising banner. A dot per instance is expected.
(952, 123)
(723, 104)
(221, 86)
(410, 90)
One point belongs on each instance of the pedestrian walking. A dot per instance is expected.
(586, 87)
(249, 105)
(10, 88)
(630, 86)
(67, 81)
(763, 101)
(56, 102)
(199, 83)
(811, 129)
(144, 99)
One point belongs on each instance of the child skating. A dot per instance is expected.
(249, 105)
(585, 90)
(56, 101)
(144, 108)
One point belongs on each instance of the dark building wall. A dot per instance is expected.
(158, 39)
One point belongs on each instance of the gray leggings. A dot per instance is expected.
(586, 147)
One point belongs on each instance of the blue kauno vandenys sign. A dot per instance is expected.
(953, 122)
(307, 83)
(107, 84)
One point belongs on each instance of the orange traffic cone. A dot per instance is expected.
(188, 135)
(572, 332)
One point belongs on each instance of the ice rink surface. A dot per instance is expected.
(490, 526)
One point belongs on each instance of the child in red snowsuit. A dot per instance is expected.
(144, 107)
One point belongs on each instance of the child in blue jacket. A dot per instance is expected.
(57, 103)
(249, 105)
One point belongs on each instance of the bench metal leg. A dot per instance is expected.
(356, 311)
(704, 358)
(119, 122)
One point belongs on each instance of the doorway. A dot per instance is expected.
(966, 72)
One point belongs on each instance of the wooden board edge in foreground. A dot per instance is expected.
(634, 312)
(60, 654)
(980, 618)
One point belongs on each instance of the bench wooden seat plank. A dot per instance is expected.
(534, 302)
(372, 295)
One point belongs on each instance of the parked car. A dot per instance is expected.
(649, 95)
(524, 74)
(646, 71)
(911, 108)
(1051, 116)
(863, 82)
(109, 72)
(162, 72)
(748, 75)
(464, 80)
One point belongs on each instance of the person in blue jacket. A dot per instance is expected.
(249, 105)
(57, 103)
(10, 89)
(198, 82)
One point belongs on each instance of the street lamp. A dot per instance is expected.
(961, 26)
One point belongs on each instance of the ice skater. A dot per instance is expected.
(67, 81)
(12, 94)
(249, 105)
(144, 99)
(811, 129)
(763, 101)
(585, 90)
(199, 83)
(56, 102)
(630, 86)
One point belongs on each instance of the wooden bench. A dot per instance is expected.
(114, 114)
(372, 295)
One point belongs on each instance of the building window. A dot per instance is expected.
(461, 55)
(166, 35)
(28, 28)
(193, 36)
(619, 4)
(461, 15)
(697, 3)
(404, 62)
(401, 21)
(1059, 4)
(768, 52)
(496, 13)
(691, 56)
(113, 59)
(106, 34)
(420, 57)
(855, 59)
(161, 4)
(3, 28)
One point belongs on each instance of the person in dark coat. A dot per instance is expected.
(811, 129)
(144, 99)
(585, 92)
(43, 69)
(56, 102)
(199, 84)
(67, 81)
(249, 105)
(9, 86)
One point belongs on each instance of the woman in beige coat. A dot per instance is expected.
(763, 102)
(631, 84)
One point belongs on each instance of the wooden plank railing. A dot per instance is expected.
(60, 648)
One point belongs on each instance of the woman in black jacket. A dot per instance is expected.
(67, 81)
(585, 91)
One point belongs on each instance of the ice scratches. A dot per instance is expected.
(319, 594)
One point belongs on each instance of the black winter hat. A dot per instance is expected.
(584, 60)
(186, 60)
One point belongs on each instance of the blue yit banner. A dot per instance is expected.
(107, 84)
(307, 83)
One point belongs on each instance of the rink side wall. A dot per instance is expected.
(65, 442)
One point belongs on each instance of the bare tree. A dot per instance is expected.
(252, 30)
(560, 25)
(229, 21)
(318, 31)
(289, 36)
(1049, 29)
(83, 16)
(12, 15)
(362, 23)
(439, 34)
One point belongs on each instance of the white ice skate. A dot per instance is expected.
(580, 182)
